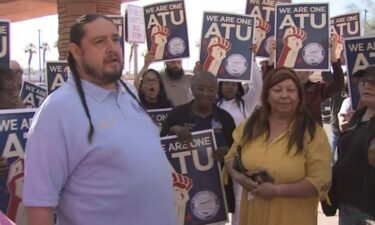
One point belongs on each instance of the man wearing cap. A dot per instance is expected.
(353, 182)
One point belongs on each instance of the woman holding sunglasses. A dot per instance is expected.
(281, 157)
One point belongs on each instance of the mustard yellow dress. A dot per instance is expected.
(314, 164)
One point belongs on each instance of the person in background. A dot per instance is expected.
(151, 91)
(176, 82)
(353, 183)
(84, 156)
(317, 92)
(345, 114)
(233, 99)
(280, 156)
(9, 99)
(9, 89)
(202, 113)
(18, 71)
(336, 102)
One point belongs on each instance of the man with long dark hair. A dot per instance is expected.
(176, 81)
(10, 88)
(84, 156)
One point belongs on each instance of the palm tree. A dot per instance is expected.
(30, 49)
(364, 6)
(45, 47)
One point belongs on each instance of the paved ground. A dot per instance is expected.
(323, 220)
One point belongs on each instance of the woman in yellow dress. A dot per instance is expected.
(281, 157)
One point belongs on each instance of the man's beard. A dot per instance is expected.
(104, 77)
(174, 74)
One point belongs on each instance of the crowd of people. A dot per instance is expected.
(93, 154)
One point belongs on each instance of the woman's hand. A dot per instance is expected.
(266, 190)
(245, 180)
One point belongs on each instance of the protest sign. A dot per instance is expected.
(225, 45)
(345, 26)
(166, 30)
(196, 179)
(135, 24)
(264, 12)
(118, 20)
(32, 95)
(56, 74)
(302, 36)
(159, 114)
(360, 53)
(4, 43)
(14, 126)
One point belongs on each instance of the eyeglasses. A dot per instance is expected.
(148, 80)
(18, 71)
(364, 82)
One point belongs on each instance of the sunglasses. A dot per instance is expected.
(18, 71)
(259, 176)
(364, 82)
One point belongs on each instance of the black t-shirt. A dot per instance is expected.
(220, 120)
(157, 105)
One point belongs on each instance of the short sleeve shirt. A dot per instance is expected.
(116, 179)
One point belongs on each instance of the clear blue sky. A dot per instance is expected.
(25, 32)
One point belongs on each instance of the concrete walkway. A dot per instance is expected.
(323, 220)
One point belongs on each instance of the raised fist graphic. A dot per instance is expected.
(16, 210)
(182, 185)
(337, 46)
(261, 29)
(217, 51)
(159, 36)
(293, 38)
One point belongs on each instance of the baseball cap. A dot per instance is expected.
(368, 73)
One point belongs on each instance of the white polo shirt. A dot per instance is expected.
(122, 177)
